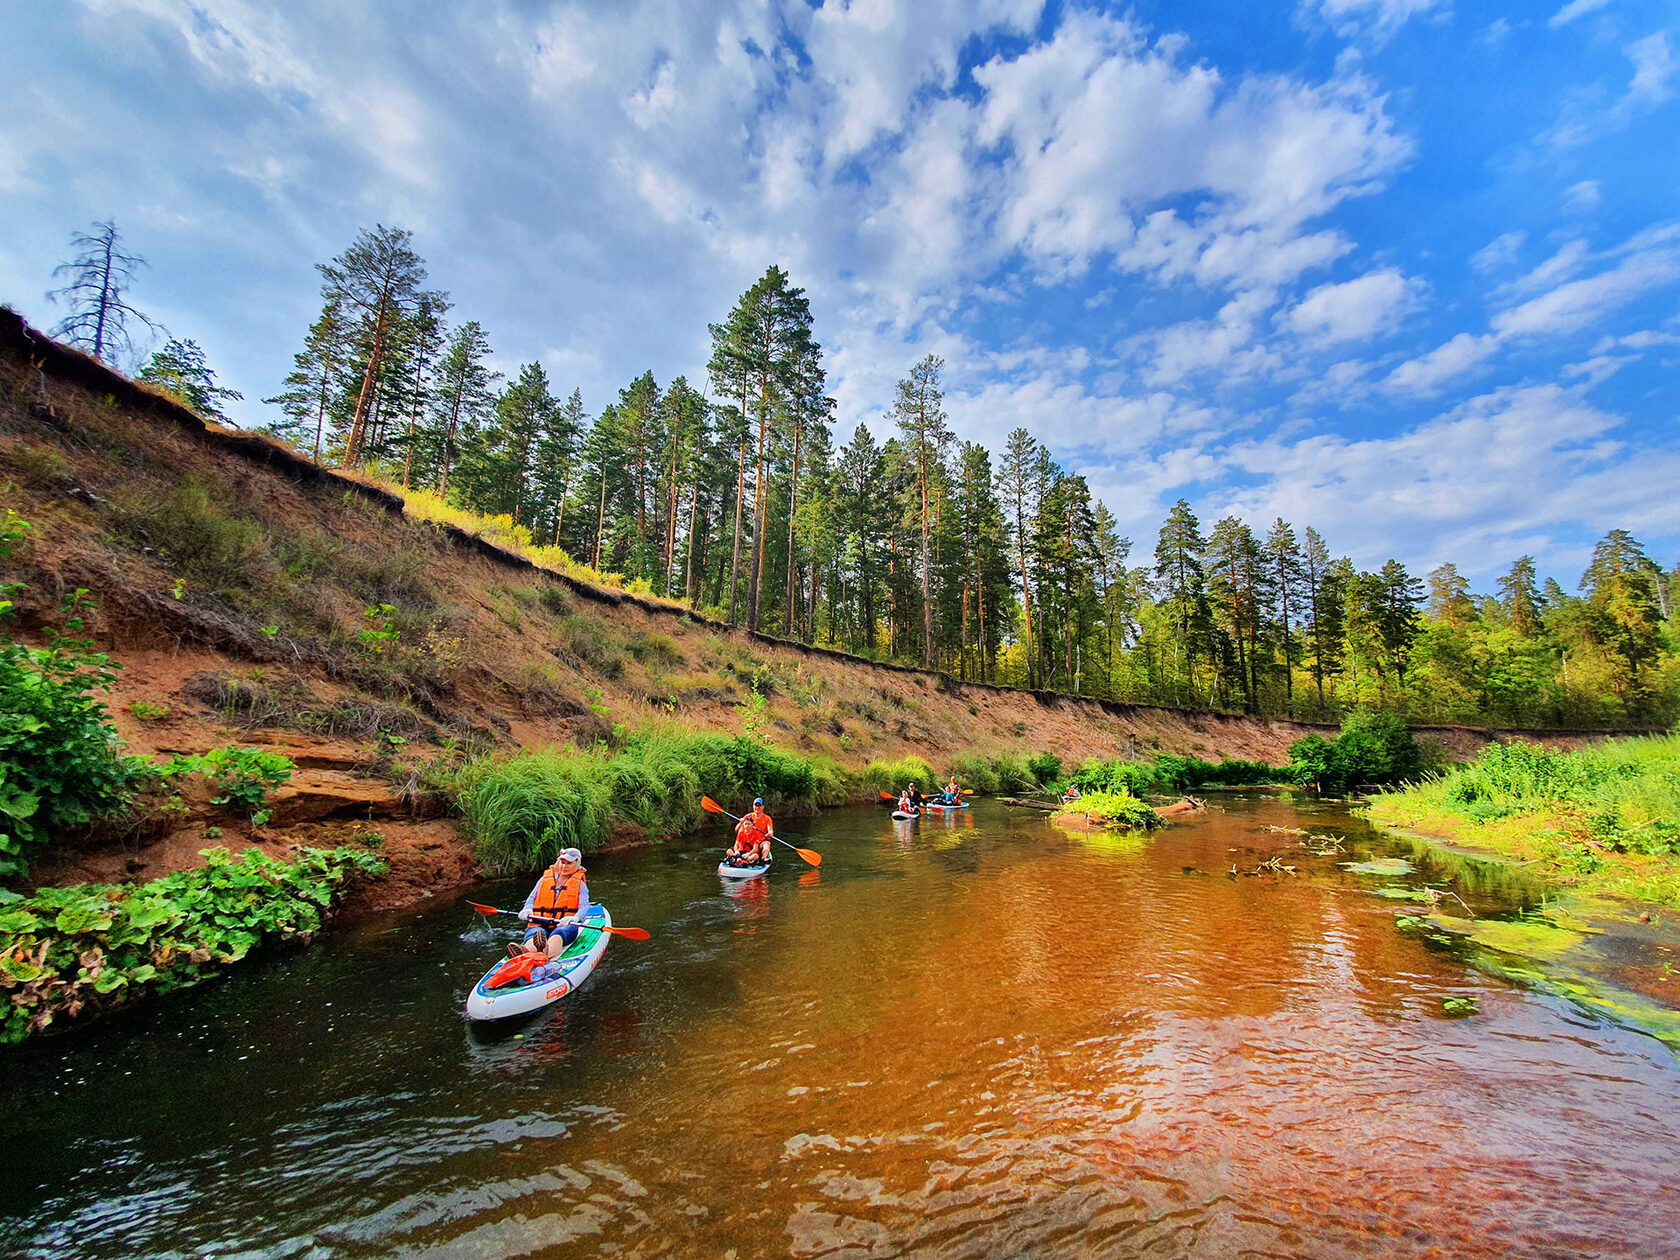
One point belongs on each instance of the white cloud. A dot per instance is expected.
(1654, 67)
(1428, 373)
(1499, 253)
(1354, 310)
(1581, 303)
(1375, 19)
(1575, 9)
(1583, 197)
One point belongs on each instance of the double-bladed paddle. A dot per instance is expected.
(634, 934)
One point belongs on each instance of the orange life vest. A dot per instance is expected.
(749, 835)
(556, 896)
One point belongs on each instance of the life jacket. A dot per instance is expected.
(556, 897)
(516, 970)
(750, 835)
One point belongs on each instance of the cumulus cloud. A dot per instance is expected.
(1573, 10)
(1354, 310)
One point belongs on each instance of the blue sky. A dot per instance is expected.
(1406, 270)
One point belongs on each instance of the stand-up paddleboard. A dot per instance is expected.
(729, 870)
(522, 997)
(941, 809)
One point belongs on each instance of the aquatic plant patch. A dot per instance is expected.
(70, 952)
(1112, 809)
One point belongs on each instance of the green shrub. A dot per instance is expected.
(977, 772)
(1046, 767)
(237, 776)
(521, 810)
(1013, 773)
(1112, 809)
(59, 760)
(82, 950)
(1373, 748)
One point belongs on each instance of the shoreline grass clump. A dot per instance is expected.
(1111, 809)
(1603, 819)
(68, 952)
(520, 810)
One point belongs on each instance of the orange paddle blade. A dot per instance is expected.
(483, 909)
(634, 934)
(711, 806)
(810, 855)
(888, 796)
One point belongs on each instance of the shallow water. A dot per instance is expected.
(973, 1037)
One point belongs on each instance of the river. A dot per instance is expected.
(970, 1037)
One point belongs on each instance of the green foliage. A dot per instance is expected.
(1624, 794)
(975, 771)
(380, 631)
(237, 776)
(201, 528)
(148, 711)
(1046, 767)
(521, 810)
(1113, 809)
(59, 760)
(1170, 775)
(883, 775)
(1373, 748)
(68, 952)
(752, 717)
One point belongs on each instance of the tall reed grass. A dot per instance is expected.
(520, 810)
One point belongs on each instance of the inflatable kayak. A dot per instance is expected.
(729, 870)
(521, 997)
(903, 817)
(940, 809)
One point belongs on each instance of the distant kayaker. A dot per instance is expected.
(905, 804)
(1072, 793)
(559, 900)
(953, 793)
(752, 837)
(916, 798)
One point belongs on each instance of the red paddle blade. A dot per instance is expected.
(483, 909)
(888, 796)
(711, 806)
(634, 934)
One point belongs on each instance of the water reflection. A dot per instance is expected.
(976, 1036)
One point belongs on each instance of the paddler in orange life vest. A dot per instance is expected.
(752, 837)
(559, 900)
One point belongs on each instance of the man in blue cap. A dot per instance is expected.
(752, 837)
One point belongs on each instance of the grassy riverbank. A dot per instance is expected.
(1600, 821)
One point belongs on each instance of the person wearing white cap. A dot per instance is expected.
(557, 903)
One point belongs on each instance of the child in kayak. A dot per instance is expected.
(752, 838)
(905, 804)
(555, 905)
(953, 793)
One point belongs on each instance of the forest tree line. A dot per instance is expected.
(730, 494)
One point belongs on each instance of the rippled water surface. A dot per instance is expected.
(976, 1037)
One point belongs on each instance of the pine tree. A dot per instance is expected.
(377, 281)
(920, 412)
(315, 381)
(1179, 572)
(461, 400)
(181, 369)
(1017, 484)
(1284, 555)
(1519, 598)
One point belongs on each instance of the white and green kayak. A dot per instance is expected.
(521, 997)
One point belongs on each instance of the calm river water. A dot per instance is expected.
(978, 1037)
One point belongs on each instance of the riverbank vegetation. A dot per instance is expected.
(1111, 809)
(72, 952)
(731, 495)
(1603, 820)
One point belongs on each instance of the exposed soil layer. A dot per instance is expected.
(256, 598)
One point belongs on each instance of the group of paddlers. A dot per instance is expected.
(911, 800)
